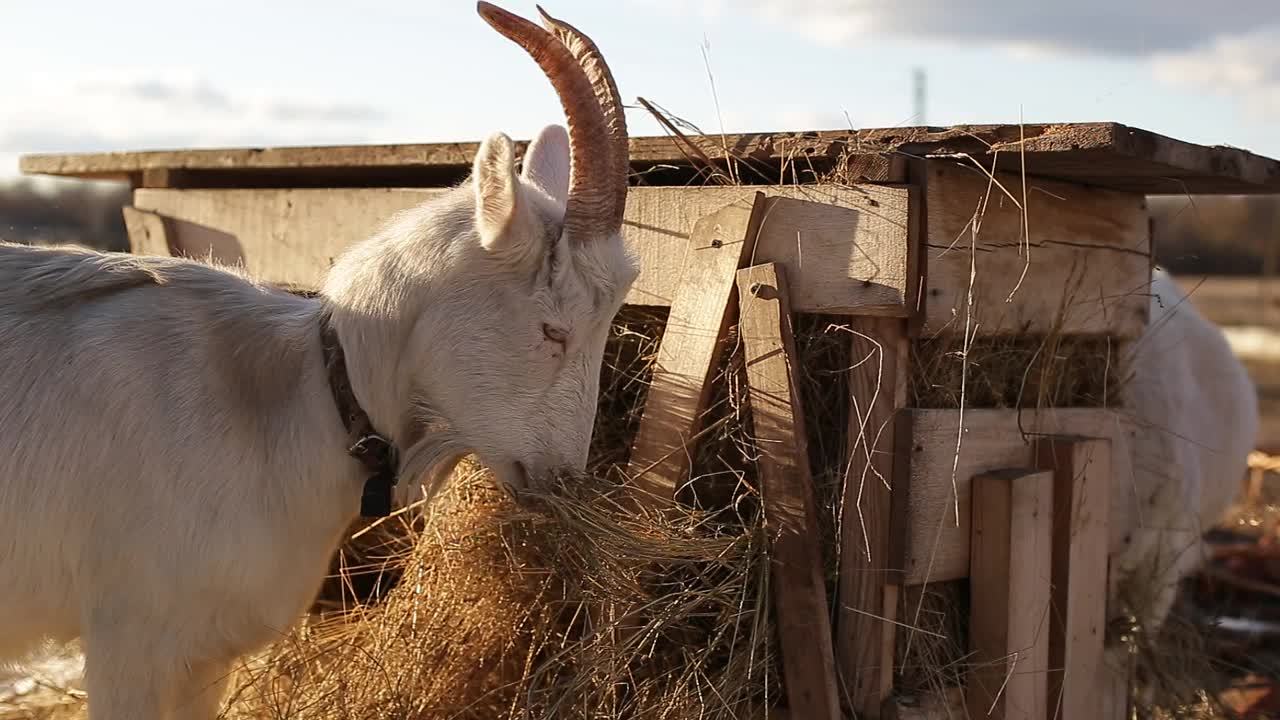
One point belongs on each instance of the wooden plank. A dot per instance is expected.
(1011, 549)
(148, 232)
(799, 592)
(937, 547)
(162, 177)
(865, 616)
(1086, 270)
(691, 344)
(845, 248)
(1099, 154)
(1081, 524)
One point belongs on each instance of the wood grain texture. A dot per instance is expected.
(864, 621)
(691, 345)
(799, 592)
(149, 233)
(1082, 470)
(1086, 269)
(1098, 154)
(1011, 549)
(937, 548)
(845, 248)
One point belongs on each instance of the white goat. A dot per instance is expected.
(174, 472)
(1196, 419)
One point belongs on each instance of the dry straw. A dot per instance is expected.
(570, 603)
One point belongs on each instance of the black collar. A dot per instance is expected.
(372, 449)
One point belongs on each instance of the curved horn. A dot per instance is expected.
(590, 206)
(592, 61)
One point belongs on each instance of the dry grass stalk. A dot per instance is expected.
(490, 618)
(486, 608)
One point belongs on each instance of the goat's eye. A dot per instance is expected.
(555, 333)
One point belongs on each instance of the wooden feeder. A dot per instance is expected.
(966, 232)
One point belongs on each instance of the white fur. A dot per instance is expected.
(1196, 419)
(173, 474)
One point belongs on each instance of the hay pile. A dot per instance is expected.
(506, 610)
(567, 604)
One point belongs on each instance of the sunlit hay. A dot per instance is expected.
(824, 347)
(494, 617)
(449, 640)
(626, 369)
(368, 564)
(932, 645)
(1015, 371)
(492, 609)
(697, 643)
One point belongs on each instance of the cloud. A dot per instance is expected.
(1228, 48)
(1125, 28)
(1245, 66)
(118, 110)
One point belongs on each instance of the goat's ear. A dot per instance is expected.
(546, 162)
(495, 181)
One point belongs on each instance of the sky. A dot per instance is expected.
(145, 74)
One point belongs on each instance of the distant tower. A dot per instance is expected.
(918, 97)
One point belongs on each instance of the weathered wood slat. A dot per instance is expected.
(937, 548)
(148, 232)
(1100, 154)
(799, 592)
(701, 310)
(1086, 269)
(1011, 549)
(864, 619)
(1082, 478)
(845, 248)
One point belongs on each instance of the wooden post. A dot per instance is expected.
(799, 592)
(1010, 555)
(870, 578)
(1082, 505)
(149, 233)
(700, 314)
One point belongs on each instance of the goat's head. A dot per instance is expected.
(493, 303)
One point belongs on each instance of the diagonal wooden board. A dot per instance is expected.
(701, 312)
(869, 575)
(148, 232)
(799, 591)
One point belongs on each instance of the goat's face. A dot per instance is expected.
(529, 270)
(514, 350)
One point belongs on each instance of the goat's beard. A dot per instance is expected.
(427, 463)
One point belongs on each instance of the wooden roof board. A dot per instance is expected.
(1102, 154)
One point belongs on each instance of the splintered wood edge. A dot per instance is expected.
(786, 483)
(1102, 154)
(701, 312)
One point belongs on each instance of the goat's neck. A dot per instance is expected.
(371, 347)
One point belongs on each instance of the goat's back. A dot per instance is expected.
(151, 416)
(1195, 419)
